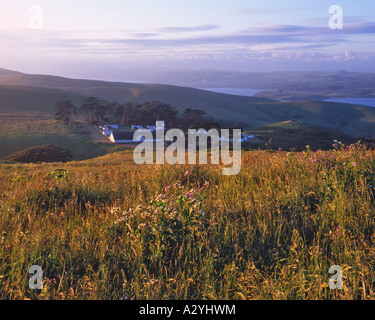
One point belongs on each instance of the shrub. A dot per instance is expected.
(44, 153)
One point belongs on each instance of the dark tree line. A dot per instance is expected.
(96, 111)
(65, 111)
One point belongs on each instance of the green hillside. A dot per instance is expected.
(279, 85)
(27, 110)
(354, 120)
(33, 99)
(297, 135)
(27, 120)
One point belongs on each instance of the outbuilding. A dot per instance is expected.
(122, 137)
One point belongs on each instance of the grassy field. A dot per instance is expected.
(36, 90)
(293, 135)
(27, 119)
(25, 130)
(107, 228)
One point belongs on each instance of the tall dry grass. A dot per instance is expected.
(110, 229)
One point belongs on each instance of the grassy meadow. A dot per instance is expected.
(107, 228)
(19, 91)
(27, 119)
(22, 131)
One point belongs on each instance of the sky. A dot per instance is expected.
(105, 39)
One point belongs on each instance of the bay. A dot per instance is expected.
(369, 102)
(234, 91)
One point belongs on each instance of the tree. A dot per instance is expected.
(196, 118)
(105, 110)
(126, 113)
(150, 112)
(90, 109)
(65, 110)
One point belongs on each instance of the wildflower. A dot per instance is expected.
(120, 219)
(142, 226)
(114, 210)
(167, 188)
(280, 149)
(204, 187)
(177, 185)
(188, 172)
(354, 164)
(154, 281)
(189, 195)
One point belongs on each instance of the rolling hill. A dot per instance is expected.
(27, 120)
(354, 120)
(297, 135)
(280, 85)
(27, 109)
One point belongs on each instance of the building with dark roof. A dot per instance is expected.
(122, 137)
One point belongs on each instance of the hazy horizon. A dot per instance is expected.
(97, 40)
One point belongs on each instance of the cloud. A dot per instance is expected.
(349, 28)
(144, 34)
(359, 28)
(200, 28)
(270, 43)
(268, 10)
(312, 37)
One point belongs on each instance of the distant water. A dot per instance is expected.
(370, 102)
(234, 91)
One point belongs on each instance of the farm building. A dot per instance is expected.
(122, 137)
(105, 130)
(242, 139)
(127, 137)
(136, 127)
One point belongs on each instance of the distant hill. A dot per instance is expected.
(297, 135)
(33, 99)
(27, 119)
(220, 106)
(353, 120)
(280, 85)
